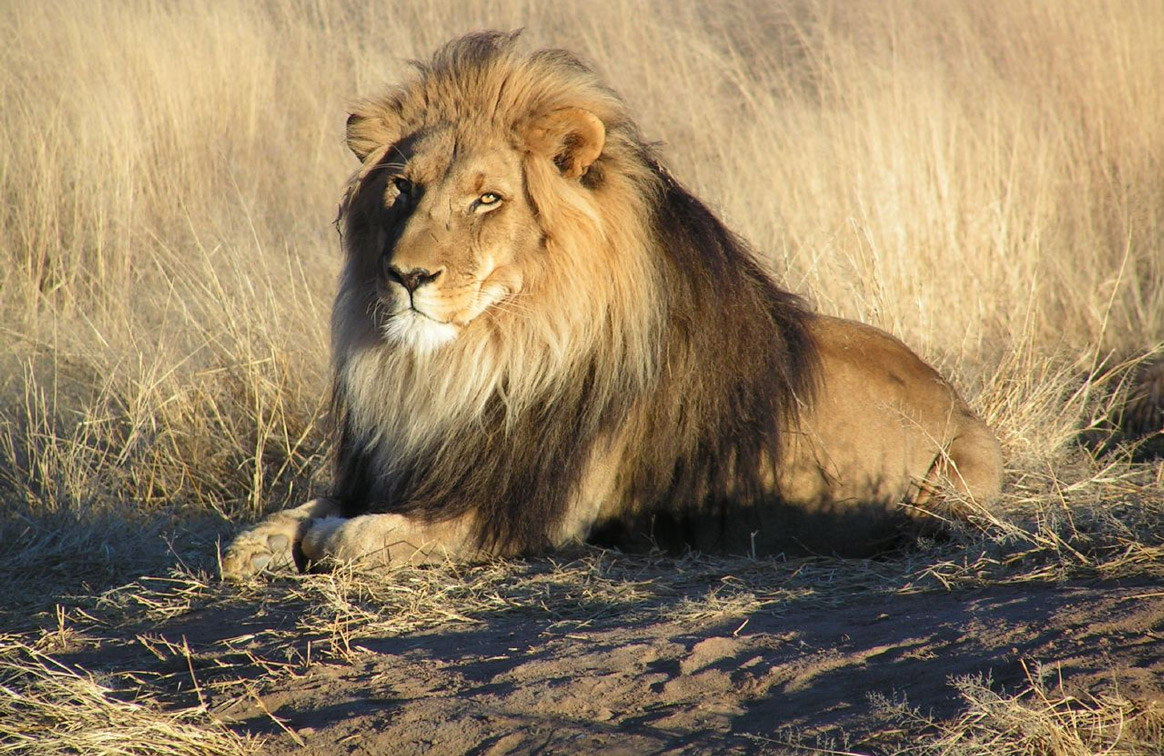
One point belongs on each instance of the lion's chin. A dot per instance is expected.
(419, 333)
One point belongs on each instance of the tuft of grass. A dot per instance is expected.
(49, 708)
(1039, 720)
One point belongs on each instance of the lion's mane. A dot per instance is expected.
(647, 316)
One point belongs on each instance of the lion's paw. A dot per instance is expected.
(274, 544)
(263, 549)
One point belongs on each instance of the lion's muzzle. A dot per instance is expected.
(411, 278)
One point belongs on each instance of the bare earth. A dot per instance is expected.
(517, 682)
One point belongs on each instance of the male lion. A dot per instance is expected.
(540, 337)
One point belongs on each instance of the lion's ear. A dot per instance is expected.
(573, 138)
(369, 131)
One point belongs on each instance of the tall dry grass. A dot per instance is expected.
(981, 178)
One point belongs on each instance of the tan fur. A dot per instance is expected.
(558, 293)
(885, 429)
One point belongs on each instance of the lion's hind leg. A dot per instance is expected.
(272, 544)
(971, 466)
(975, 462)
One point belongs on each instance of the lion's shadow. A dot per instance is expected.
(643, 675)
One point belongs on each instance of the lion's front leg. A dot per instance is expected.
(382, 541)
(271, 545)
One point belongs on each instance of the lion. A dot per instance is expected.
(541, 338)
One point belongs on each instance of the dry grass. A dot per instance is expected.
(1040, 720)
(982, 179)
(52, 709)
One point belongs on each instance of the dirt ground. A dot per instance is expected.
(784, 680)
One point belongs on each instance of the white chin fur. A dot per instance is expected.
(419, 333)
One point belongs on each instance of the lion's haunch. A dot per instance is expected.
(541, 337)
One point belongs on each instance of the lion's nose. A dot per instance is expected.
(413, 278)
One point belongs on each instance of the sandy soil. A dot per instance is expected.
(517, 683)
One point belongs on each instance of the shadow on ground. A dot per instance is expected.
(517, 682)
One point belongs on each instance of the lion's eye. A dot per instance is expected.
(403, 185)
(489, 198)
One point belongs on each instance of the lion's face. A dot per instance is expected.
(447, 229)
(455, 226)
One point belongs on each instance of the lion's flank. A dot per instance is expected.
(649, 326)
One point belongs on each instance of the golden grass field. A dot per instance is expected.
(983, 179)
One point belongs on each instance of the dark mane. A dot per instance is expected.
(744, 368)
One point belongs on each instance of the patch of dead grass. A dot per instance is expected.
(49, 709)
(1039, 720)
